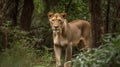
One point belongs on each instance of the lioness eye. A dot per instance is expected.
(59, 21)
(53, 20)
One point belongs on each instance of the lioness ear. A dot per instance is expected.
(64, 15)
(50, 14)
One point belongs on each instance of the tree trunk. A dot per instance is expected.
(15, 13)
(107, 16)
(68, 6)
(4, 39)
(2, 8)
(116, 23)
(12, 11)
(96, 21)
(26, 16)
(2, 20)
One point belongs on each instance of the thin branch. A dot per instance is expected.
(68, 6)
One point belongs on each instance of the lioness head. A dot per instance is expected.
(57, 21)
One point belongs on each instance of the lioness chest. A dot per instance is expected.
(60, 40)
(63, 41)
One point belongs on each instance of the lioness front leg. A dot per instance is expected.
(68, 55)
(57, 50)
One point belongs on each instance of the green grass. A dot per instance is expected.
(19, 56)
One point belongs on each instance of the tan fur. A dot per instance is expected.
(68, 34)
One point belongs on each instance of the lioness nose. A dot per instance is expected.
(56, 26)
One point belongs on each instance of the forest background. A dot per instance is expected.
(26, 36)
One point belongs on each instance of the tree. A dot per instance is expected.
(68, 6)
(11, 11)
(26, 16)
(15, 12)
(96, 21)
(107, 16)
(116, 16)
(2, 8)
(2, 20)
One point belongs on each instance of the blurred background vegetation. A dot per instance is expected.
(26, 36)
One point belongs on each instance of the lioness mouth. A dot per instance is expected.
(56, 30)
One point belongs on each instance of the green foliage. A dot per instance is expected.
(21, 44)
(46, 58)
(39, 7)
(78, 9)
(17, 56)
(19, 51)
(104, 56)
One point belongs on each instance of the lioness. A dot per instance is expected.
(67, 35)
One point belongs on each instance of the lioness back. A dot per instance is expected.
(79, 28)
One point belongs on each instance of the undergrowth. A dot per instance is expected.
(21, 53)
(107, 55)
(21, 50)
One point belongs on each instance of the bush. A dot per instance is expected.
(46, 58)
(105, 56)
(17, 56)
(19, 51)
(23, 50)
